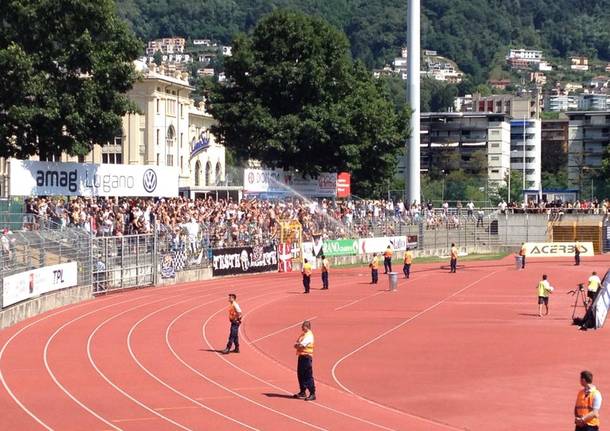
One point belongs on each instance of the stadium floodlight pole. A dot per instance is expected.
(412, 161)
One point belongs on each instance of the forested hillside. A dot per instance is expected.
(475, 33)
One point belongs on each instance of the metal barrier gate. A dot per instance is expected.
(124, 261)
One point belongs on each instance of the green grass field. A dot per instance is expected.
(433, 259)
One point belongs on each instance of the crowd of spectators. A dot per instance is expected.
(225, 222)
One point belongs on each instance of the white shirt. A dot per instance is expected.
(236, 307)
(307, 339)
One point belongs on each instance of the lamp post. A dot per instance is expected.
(443, 191)
(412, 162)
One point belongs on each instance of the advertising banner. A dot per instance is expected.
(344, 188)
(557, 249)
(379, 245)
(284, 182)
(602, 302)
(33, 178)
(340, 247)
(244, 260)
(30, 284)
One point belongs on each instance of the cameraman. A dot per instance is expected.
(593, 287)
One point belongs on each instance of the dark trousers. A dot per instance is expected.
(305, 374)
(387, 264)
(306, 282)
(374, 276)
(577, 258)
(325, 280)
(453, 264)
(233, 335)
(407, 269)
(587, 428)
(522, 262)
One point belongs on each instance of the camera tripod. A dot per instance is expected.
(580, 297)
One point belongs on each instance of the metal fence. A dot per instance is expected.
(24, 249)
(123, 261)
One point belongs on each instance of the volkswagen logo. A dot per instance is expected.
(150, 180)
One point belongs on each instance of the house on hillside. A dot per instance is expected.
(579, 63)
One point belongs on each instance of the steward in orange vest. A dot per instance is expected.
(588, 403)
(235, 319)
(374, 265)
(304, 347)
(306, 275)
(387, 260)
(408, 259)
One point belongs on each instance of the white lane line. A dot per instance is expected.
(54, 378)
(117, 388)
(279, 331)
(19, 332)
(360, 300)
(171, 388)
(270, 384)
(237, 394)
(389, 331)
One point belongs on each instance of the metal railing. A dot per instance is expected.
(23, 249)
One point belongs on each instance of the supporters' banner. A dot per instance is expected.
(167, 266)
(284, 182)
(340, 247)
(32, 178)
(35, 282)
(557, 249)
(602, 302)
(309, 254)
(285, 257)
(380, 244)
(243, 260)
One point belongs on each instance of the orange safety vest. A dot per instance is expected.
(325, 265)
(522, 251)
(307, 350)
(307, 269)
(375, 263)
(387, 253)
(584, 406)
(233, 314)
(408, 258)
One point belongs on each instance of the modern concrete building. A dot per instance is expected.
(560, 102)
(514, 106)
(593, 102)
(589, 137)
(526, 151)
(463, 138)
(554, 142)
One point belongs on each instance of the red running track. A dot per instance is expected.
(444, 352)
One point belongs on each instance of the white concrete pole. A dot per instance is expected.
(412, 162)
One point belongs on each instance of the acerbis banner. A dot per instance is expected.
(557, 249)
(244, 260)
(29, 284)
(379, 245)
(33, 178)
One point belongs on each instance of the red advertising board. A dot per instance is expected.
(343, 185)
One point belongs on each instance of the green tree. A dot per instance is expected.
(64, 66)
(294, 99)
(516, 188)
(158, 58)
